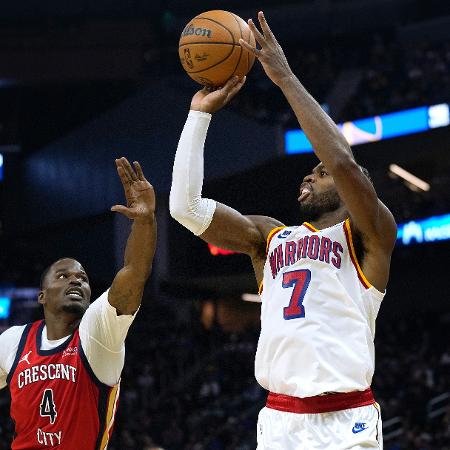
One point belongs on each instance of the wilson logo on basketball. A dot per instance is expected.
(190, 30)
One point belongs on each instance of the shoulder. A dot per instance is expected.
(101, 316)
(386, 231)
(9, 343)
(96, 308)
(265, 224)
(11, 335)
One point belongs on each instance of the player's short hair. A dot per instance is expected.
(47, 270)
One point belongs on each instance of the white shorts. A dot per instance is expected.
(356, 428)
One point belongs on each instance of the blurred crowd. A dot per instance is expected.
(398, 77)
(391, 76)
(189, 388)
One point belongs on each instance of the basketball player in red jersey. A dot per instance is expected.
(321, 283)
(64, 371)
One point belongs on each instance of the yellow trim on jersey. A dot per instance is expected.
(311, 227)
(260, 287)
(110, 411)
(366, 282)
(270, 235)
(268, 239)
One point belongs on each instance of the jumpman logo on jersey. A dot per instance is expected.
(25, 358)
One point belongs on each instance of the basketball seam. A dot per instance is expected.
(242, 37)
(208, 43)
(218, 23)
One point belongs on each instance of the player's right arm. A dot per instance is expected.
(214, 222)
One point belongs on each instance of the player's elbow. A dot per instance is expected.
(178, 210)
(195, 215)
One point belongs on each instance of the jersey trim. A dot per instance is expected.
(107, 403)
(101, 411)
(348, 236)
(111, 406)
(104, 410)
(271, 234)
(377, 407)
(52, 351)
(88, 368)
(22, 342)
(310, 227)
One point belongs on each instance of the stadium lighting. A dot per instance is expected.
(409, 177)
(255, 298)
(421, 231)
(378, 128)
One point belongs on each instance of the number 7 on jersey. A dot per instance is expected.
(299, 280)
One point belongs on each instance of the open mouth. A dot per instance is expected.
(75, 293)
(305, 192)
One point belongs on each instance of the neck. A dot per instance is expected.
(60, 326)
(329, 219)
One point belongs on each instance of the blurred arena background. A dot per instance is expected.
(84, 82)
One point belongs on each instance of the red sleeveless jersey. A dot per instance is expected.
(56, 399)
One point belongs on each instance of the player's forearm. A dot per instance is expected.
(186, 203)
(128, 285)
(140, 248)
(328, 143)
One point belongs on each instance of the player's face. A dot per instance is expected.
(318, 194)
(66, 288)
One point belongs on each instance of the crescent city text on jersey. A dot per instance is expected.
(46, 372)
(312, 247)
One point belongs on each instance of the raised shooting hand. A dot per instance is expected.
(270, 54)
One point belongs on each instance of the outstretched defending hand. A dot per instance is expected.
(139, 192)
(210, 101)
(270, 55)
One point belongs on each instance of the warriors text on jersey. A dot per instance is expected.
(56, 400)
(318, 314)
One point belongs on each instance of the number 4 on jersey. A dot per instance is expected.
(47, 407)
(299, 279)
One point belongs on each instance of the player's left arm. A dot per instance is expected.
(105, 324)
(369, 216)
(127, 288)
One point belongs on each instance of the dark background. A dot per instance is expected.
(82, 83)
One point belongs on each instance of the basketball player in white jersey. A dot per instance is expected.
(321, 282)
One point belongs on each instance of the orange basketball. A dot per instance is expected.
(209, 48)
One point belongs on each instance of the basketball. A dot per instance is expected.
(209, 48)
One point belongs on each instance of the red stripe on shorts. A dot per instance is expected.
(320, 403)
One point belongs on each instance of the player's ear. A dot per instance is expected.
(41, 297)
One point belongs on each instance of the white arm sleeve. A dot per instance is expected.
(102, 336)
(9, 343)
(186, 203)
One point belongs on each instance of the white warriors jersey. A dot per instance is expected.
(318, 314)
